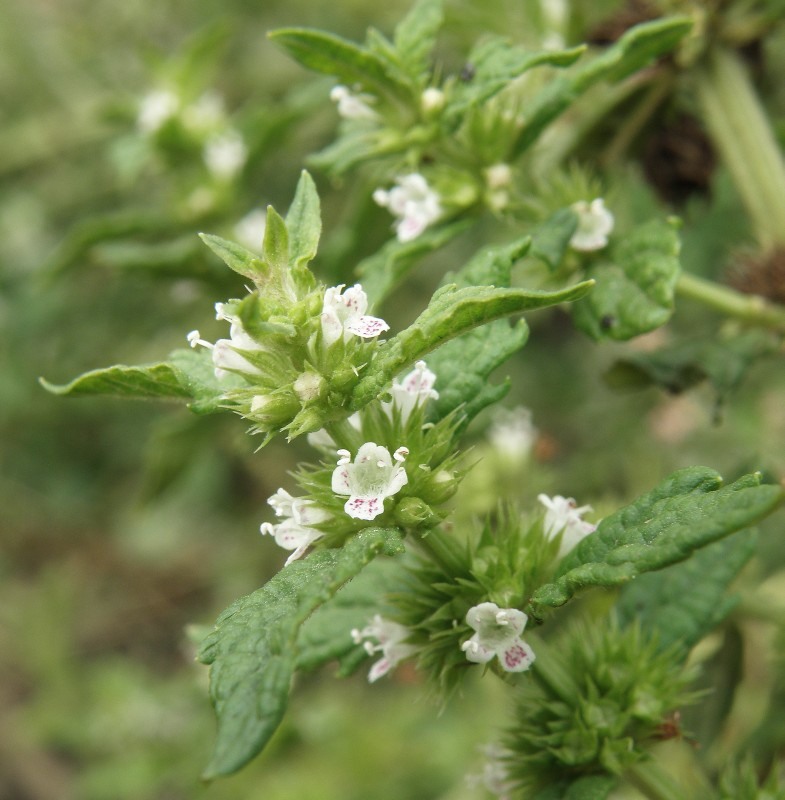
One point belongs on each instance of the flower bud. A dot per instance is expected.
(274, 409)
(432, 100)
(440, 487)
(412, 512)
(309, 386)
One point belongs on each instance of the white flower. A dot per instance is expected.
(390, 638)
(413, 202)
(352, 106)
(595, 224)
(432, 99)
(295, 532)
(563, 514)
(156, 108)
(513, 434)
(343, 314)
(205, 114)
(225, 154)
(370, 479)
(494, 777)
(498, 633)
(227, 357)
(415, 389)
(249, 231)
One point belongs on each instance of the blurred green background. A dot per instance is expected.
(123, 523)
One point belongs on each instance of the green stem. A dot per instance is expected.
(739, 128)
(344, 435)
(649, 779)
(751, 309)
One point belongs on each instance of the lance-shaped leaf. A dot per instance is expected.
(635, 49)
(253, 649)
(496, 63)
(415, 35)
(155, 381)
(236, 257)
(333, 55)
(686, 601)
(634, 292)
(304, 222)
(464, 364)
(687, 511)
(452, 311)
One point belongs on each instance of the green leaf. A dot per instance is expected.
(551, 240)
(415, 35)
(634, 50)
(236, 257)
(589, 787)
(325, 636)
(634, 292)
(333, 55)
(355, 146)
(385, 269)
(686, 601)
(685, 512)
(304, 222)
(155, 381)
(252, 651)
(496, 63)
(276, 241)
(464, 365)
(451, 312)
(198, 374)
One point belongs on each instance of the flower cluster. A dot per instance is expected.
(413, 202)
(498, 633)
(564, 516)
(390, 640)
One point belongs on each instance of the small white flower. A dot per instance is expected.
(513, 434)
(156, 108)
(370, 479)
(498, 633)
(415, 389)
(351, 105)
(563, 514)
(595, 224)
(227, 357)
(343, 314)
(413, 202)
(296, 532)
(205, 114)
(494, 777)
(498, 176)
(249, 231)
(225, 154)
(390, 643)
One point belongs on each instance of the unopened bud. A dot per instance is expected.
(309, 387)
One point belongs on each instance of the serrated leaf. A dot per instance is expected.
(385, 269)
(687, 511)
(155, 381)
(304, 222)
(236, 257)
(686, 601)
(635, 288)
(496, 63)
(333, 55)
(415, 35)
(252, 651)
(198, 374)
(634, 50)
(452, 311)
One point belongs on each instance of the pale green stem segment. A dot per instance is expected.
(752, 309)
(650, 780)
(739, 128)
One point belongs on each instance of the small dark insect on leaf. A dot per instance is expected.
(670, 727)
(468, 72)
(607, 322)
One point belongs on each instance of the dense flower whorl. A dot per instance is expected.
(369, 479)
(498, 633)
(343, 315)
(295, 532)
(413, 202)
(563, 514)
(390, 642)
(595, 224)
